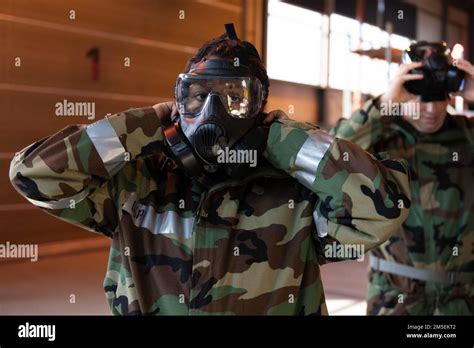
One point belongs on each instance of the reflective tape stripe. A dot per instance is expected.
(60, 203)
(167, 222)
(321, 224)
(310, 155)
(108, 145)
(426, 275)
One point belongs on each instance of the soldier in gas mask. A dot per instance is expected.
(196, 232)
(427, 266)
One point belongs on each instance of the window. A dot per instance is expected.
(294, 44)
(297, 50)
(355, 72)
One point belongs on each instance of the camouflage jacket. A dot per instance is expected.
(187, 247)
(439, 231)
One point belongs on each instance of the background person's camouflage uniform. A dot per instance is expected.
(238, 247)
(439, 232)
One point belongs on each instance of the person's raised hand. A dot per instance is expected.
(396, 92)
(468, 68)
(164, 112)
(273, 116)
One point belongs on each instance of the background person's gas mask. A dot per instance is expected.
(219, 108)
(440, 77)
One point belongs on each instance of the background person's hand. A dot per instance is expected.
(396, 92)
(468, 68)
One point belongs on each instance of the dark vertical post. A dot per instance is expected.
(444, 21)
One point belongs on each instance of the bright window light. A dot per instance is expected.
(354, 72)
(294, 44)
(400, 42)
(297, 50)
(343, 64)
(373, 37)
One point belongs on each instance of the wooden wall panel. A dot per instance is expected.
(31, 116)
(300, 98)
(333, 107)
(8, 195)
(151, 19)
(54, 67)
(63, 63)
(34, 226)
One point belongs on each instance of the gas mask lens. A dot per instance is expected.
(418, 53)
(241, 96)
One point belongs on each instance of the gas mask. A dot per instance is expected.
(219, 112)
(440, 77)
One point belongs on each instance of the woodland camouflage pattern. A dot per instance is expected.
(439, 231)
(192, 247)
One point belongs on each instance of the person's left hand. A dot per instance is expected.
(468, 68)
(273, 116)
(164, 111)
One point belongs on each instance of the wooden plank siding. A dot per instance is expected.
(52, 48)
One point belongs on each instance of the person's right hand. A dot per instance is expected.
(164, 112)
(396, 92)
(468, 91)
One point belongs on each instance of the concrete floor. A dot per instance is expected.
(345, 284)
(47, 286)
(72, 284)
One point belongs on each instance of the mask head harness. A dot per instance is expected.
(219, 104)
(440, 77)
